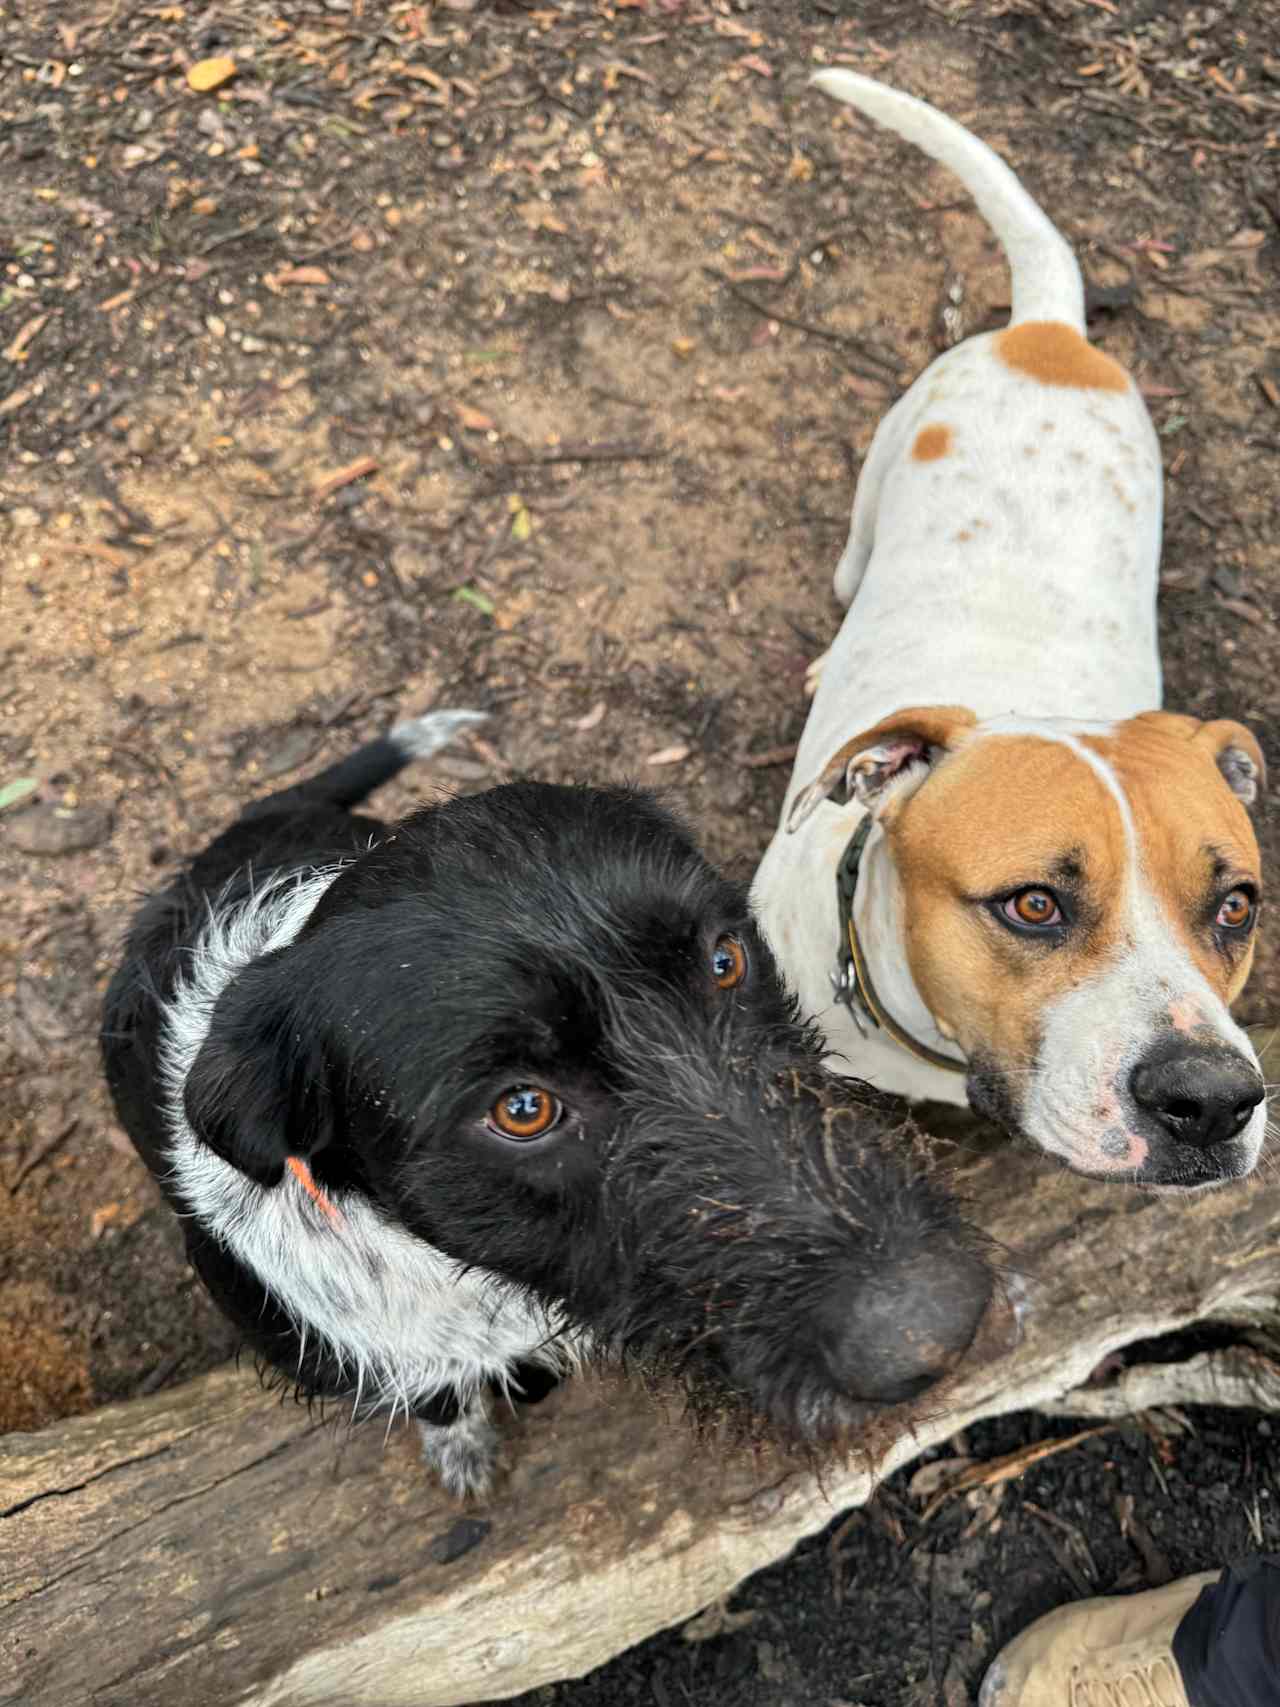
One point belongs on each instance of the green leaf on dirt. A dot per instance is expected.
(486, 355)
(521, 525)
(472, 596)
(17, 790)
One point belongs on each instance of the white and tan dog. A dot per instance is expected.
(1054, 894)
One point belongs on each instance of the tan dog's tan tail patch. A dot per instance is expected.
(932, 443)
(1056, 354)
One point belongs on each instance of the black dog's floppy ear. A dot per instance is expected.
(259, 1090)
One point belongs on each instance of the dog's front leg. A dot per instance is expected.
(460, 1444)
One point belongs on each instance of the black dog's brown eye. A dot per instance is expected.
(525, 1111)
(1033, 907)
(1236, 912)
(728, 963)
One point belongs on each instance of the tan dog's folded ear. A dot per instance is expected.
(1232, 747)
(863, 768)
(1238, 756)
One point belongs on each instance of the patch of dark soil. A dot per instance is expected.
(884, 1610)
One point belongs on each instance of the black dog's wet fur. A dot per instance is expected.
(725, 1211)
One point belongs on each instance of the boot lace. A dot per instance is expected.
(1158, 1684)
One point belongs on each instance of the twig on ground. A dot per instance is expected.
(41, 1152)
(769, 757)
(883, 366)
(586, 453)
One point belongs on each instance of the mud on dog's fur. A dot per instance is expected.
(445, 1107)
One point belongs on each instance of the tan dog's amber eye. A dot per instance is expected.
(728, 963)
(1236, 912)
(525, 1111)
(1033, 907)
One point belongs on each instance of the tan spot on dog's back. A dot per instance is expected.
(1056, 354)
(932, 443)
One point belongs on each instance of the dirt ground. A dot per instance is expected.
(522, 356)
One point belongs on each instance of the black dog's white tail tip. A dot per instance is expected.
(423, 737)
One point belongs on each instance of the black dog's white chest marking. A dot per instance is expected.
(405, 1320)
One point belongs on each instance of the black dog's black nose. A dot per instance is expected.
(1199, 1095)
(903, 1329)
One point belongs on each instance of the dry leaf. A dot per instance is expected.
(102, 1218)
(473, 420)
(669, 755)
(513, 613)
(592, 720)
(753, 62)
(296, 276)
(207, 74)
(1242, 608)
(539, 217)
(1249, 238)
(17, 350)
(424, 75)
(16, 399)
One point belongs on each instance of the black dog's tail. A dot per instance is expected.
(346, 783)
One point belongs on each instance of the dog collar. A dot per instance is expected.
(852, 979)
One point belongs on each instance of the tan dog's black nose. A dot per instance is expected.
(1198, 1094)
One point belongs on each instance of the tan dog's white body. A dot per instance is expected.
(1001, 573)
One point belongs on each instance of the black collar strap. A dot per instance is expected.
(853, 984)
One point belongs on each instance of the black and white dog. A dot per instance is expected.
(447, 1105)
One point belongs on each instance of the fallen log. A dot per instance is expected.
(208, 1546)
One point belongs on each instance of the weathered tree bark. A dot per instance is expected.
(209, 1547)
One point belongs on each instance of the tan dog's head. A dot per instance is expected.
(1079, 904)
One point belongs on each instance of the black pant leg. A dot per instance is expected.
(1228, 1644)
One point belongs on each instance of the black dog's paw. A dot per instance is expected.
(464, 1453)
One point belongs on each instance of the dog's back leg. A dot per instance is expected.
(883, 455)
(463, 1450)
(862, 526)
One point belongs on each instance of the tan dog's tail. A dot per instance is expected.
(1046, 278)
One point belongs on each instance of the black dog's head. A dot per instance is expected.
(537, 1030)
